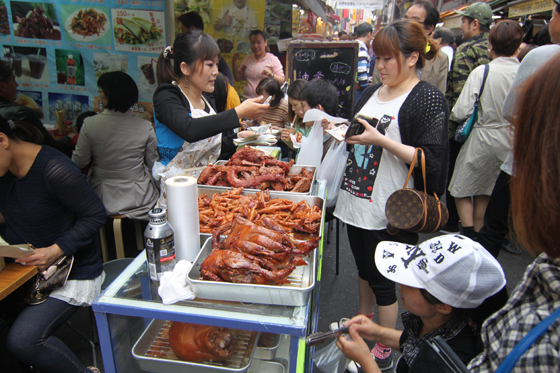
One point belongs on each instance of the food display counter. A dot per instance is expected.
(127, 310)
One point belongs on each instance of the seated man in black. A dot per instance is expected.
(15, 112)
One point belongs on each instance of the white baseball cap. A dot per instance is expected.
(453, 268)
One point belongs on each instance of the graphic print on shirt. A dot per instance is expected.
(363, 164)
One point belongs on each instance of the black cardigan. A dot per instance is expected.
(173, 110)
(423, 121)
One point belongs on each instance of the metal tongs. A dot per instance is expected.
(318, 338)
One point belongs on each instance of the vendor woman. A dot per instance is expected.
(182, 107)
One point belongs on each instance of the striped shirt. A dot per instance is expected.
(363, 66)
(277, 116)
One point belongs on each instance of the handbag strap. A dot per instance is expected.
(527, 341)
(486, 70)
(413, 164)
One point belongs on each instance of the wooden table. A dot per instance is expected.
(13, 276)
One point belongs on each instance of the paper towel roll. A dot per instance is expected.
(182, 214)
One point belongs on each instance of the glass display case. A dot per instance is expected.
(130, 307)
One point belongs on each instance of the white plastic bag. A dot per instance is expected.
(330, 359)
(159, 171)
(311, 150)
(332, 168)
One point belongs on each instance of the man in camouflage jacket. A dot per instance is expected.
(472, 53)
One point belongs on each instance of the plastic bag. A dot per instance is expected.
(311, 150)
(330, 359)
(332, 169)
(159, 171)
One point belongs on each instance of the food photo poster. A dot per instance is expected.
(60, 48)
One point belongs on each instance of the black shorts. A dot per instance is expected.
(363, 243)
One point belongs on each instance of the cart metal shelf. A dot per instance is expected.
(130, 303)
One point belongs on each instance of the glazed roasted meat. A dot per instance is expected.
(254, 254)
(198, 343)
(238, 267)
(286, 216)
(252, 168)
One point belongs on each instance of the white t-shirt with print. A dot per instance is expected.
(372, 173)
(244, 21)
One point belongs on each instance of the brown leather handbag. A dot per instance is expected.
(413, 210)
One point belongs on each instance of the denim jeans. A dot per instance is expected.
(31, 342)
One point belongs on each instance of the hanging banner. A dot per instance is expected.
(531, 7)
(359, 4)
(60, 48)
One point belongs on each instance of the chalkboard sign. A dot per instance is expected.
(335, 62)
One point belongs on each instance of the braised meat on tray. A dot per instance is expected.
(252, 168)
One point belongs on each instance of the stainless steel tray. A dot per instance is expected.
(267, 353)
(154, 354)
(296, 197)
(259, 366)
(293, 170)
(296, 293)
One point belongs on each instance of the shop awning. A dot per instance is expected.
(530, 7)
(316, 6)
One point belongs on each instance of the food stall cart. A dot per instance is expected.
(129, 306)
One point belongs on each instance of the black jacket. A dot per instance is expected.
(173, 110)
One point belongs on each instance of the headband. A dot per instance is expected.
(12, 124)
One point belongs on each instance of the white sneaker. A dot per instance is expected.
(353, 367)
(338, 324)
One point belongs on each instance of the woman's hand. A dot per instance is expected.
(327, 125)
(357, 350)
(243, 125)
(43, 257)
(265, 72)
(244, 134)
(252, 108)
(371, 136)
(285, 136)
(235, 58)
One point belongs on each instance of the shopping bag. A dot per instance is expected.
(311, 150)
(332, 169)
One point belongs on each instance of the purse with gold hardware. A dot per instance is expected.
(43, 284)
(413, 210)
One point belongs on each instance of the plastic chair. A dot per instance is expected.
(117, 231)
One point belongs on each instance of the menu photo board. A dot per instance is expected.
(60, 48)
(336, 62)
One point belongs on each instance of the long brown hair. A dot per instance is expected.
(535, 186)
(402, 38)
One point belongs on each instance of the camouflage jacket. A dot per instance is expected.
(469, 55)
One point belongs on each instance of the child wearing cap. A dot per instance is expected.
(438, 280)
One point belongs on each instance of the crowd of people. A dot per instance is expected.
(417, 89)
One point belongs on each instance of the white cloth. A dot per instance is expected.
(479, 161)
(80, 292)
(244, 21)
(174, 286)
(372, 174)
(449, 51)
